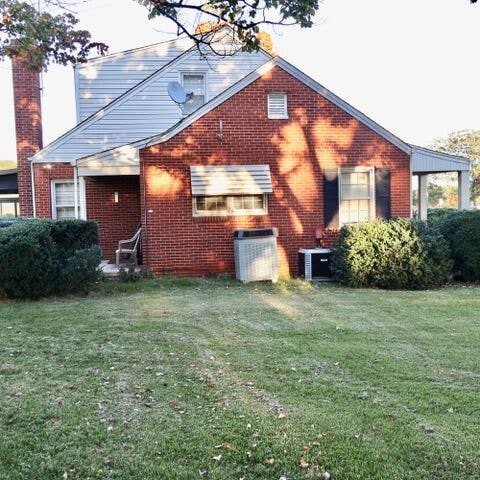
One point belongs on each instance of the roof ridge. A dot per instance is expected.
(144, 47)
(131, 50)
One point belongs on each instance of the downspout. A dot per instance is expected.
(145, 209)
(32, 179)
(75, 189)
(411, 182)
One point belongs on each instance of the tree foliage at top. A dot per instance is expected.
(245, 17)
(42, 37)
(53, 34)
(465, 143)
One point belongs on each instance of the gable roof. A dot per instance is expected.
(126, 156)
(299, 75)
(123, 121)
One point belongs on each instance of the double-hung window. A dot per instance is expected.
(195, 86)
(356, 195)
(63, 199)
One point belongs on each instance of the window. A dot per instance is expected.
(8, 205)
(63, 199)
(206, 206)
(194, 84)
(277, 105)
(356, 195)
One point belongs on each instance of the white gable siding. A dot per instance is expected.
(101, 80)
(148, 110)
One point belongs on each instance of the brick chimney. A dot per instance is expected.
(28, 127)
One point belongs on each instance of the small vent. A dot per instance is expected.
(277, 105)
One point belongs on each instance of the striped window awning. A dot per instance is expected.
(230, 180)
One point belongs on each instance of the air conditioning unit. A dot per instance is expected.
(314, 263)
(256, 256)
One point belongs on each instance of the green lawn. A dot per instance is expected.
(209, 379)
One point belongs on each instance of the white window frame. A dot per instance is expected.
(275, 116)
(371, 172)
(205, 84)
(231, 212)
(82, 214)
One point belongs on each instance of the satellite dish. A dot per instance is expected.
(177, 93)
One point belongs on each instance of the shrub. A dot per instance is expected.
(43, 257)
(461, 229)
(435, 214)
(73, 235)
(395, 254)
(80, 271)
(129, 276)
(29, 266)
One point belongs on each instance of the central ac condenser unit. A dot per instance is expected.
(315, 263)
(256, 256)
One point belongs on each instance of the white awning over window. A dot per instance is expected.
(231, 180)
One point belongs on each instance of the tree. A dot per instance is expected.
(42, 37)
(51, 35)
(465, 143)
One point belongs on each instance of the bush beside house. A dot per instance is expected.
(45, 257)
(394, 254)
(461, 229)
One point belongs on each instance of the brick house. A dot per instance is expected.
(258, 144)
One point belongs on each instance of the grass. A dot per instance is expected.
(185, 379)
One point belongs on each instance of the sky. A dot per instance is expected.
(412, 66)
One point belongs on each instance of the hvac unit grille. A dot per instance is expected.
(256, 257)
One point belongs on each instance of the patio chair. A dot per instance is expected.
(129, 247)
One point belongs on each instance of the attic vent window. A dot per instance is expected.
(277, 105)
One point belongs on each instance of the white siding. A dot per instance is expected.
(101, 80)
(148, 110)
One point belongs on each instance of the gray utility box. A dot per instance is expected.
(256, 256)
(315, 263)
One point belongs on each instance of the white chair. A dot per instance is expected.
(129, 247)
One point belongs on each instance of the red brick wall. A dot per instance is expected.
(28, 127)
(116, 221)
(317, 135)
(44, 174)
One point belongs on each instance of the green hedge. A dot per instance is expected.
(462, 231)
(435, 214)
(394, 254)
(45, 257)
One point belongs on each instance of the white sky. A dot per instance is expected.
(413, 66)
